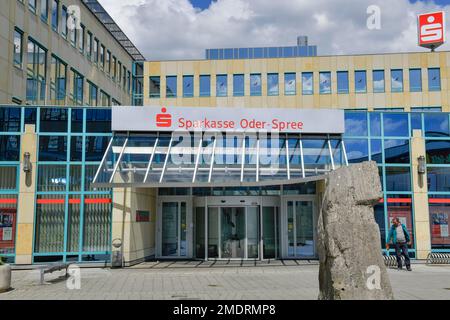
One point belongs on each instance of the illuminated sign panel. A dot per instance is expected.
(228, 119)
(431, 29)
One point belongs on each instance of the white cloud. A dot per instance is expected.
(174, 29)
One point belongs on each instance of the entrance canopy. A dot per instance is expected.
(208, 159)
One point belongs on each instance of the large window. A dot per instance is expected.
(290, 83)
(188, 86)
(58, 80)
(255, 84)
(77, 88)
(415, 80)
(44, 10)
(18, 48)
(108, 62)
(360, 81)
(89, 45)
(102, 57)
(307, 83)
(64, 17)
(96, 48)
(55, 14)
(81, 35)
(155, 87)
(32, 5)
(238, 85)
(438, 152)
(36, 73)
(205, 86)
(325, 82)
(439, 219)
(398, 179)
(342, 81)
(272, 84)
(378, 81)
(221, 85)
(397, 80)
(434, 79)
(93, 94)
(171, 86)
(105, 99)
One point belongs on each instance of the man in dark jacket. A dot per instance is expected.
(400, 239)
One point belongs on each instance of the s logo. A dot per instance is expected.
(163, 120)
(431, 29)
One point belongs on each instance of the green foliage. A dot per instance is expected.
(2, 261)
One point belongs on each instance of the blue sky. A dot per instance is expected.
(202, 4)
(183, 29)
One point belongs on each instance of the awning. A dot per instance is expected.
(207, 159)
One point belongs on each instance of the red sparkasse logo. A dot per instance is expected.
(431, 29)
(163, 120)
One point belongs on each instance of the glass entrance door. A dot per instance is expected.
(300, 227)
(173, 229)
(270, 227)
(233, 232)
(233, 235)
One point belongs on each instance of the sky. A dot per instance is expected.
(183, 29)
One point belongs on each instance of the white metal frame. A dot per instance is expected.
(284, 224)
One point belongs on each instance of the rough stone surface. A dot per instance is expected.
(349, 237)
(5, 277)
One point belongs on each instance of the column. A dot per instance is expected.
(27, 196)
(420, 206)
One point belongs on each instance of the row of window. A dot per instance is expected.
(290, 83)
(66, 84)
(85, 41)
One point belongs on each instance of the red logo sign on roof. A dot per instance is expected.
(431, 29)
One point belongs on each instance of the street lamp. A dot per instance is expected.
(422, 165)
(27, 166)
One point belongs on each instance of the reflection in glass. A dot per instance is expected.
(290, 84)
(378, 81)
(397, 80)
(307, 83)
(398, 179)
(360, 82)
(325, 82)
(272, 84)
(415, 80)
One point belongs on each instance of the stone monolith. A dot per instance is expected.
(351, 264)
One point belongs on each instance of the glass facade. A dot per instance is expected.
(261, 52)
(73, 219)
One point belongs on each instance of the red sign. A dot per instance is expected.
(163, 120)
(431, 29)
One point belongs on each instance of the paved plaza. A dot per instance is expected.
(196, 280)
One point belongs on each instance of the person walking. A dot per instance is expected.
(400, 239)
